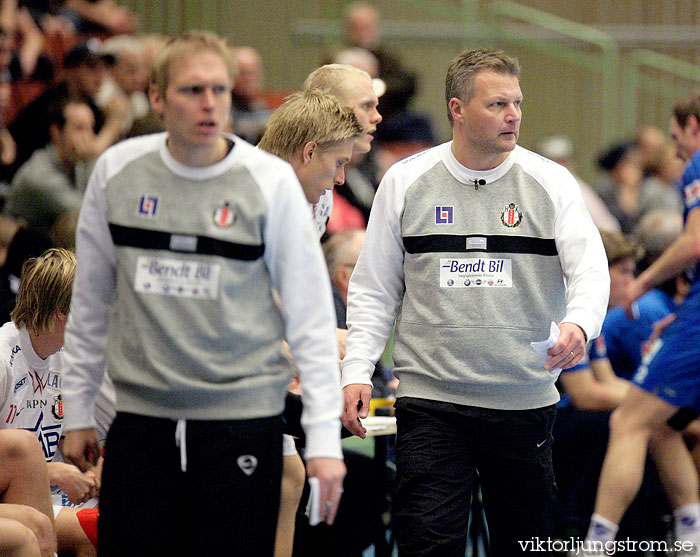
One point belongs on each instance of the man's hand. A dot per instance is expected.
(569, 349)
(330, 472)
(80, 448)
(356, 406)
(78, 486)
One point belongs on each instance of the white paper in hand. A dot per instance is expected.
(542, 346)
(313, 507)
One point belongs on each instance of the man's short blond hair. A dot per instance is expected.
(45, 289)
(333, 78)
(188, 43)
(309, 115)
(459, 81)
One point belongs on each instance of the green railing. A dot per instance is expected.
(605, 61)
(635, 81)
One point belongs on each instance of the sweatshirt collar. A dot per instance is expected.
(471, 177)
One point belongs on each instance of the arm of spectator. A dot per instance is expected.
(78, 486)
(8, 16)
(108, 14)
(32, 42)
(36, 521)
(116, 112)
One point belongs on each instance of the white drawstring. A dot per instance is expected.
(181, 441)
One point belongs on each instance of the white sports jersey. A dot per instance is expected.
(30, 389)
(321, 212)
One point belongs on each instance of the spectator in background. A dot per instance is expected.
(249, 110)
(649, 140)
(625, 192)
(625, 335)
(51, 183)
(560, 149)
(127, 77)
(363, 30)
(28, 60)
(85, 67)
(69, 17)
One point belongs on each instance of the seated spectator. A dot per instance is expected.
(625, 336)
(25, 498)
(590, 391)
(30, 378)
(249, 110)
(625, 192)
(560, 149)
(70, 17)
(51, 183)
(85, 67)
(127, 77)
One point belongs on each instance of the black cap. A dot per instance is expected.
(87, 53)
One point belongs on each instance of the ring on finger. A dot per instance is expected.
(572, 355)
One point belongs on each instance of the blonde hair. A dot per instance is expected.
(45, 289)
(459, 81)
(332, 78)
(183, 45)
(309, 115)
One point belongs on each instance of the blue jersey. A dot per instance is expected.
(670, 369)
(624, 336)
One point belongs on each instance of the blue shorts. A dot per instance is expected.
(671, 368)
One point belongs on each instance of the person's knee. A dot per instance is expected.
(40, 524)
(17, 539)
(16, 444)
(293, 477)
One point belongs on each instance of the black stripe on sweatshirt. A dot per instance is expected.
(125, 236)
(437, 243)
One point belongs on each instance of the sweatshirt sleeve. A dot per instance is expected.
(377, 284)
(294, 258)
(583, 259)
(93, 293)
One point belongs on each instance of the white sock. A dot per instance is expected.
(601, 529)
(687, 523)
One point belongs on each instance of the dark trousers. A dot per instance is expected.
(440, 447)
(225, 503)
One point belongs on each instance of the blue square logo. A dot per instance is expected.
(444, 214)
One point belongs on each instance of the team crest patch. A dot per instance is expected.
(148, 205)
(511, 215)
(57, 407)
(444, 214)
(224, 216)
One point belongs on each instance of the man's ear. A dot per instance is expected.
(156, 97)
(693, 124)
(455, 105)
(308, 151)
